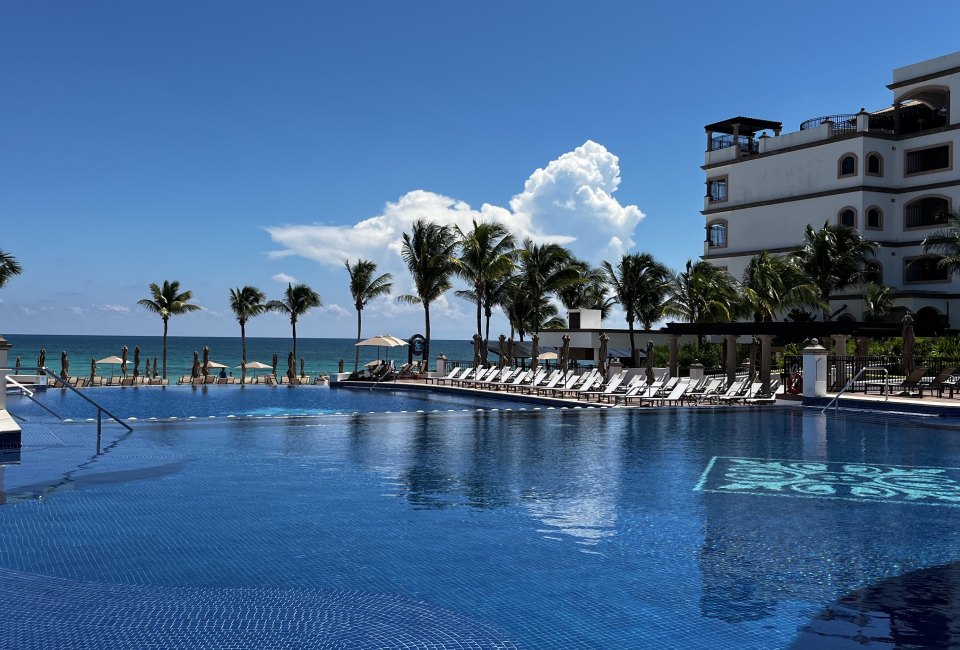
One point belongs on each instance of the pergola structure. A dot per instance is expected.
(741, 129)
(781, 333)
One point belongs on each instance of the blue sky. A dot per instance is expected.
(229, 143)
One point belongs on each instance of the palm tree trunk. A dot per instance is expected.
(356, 350)
(165, 321)
(243, 352)
(426, 335)
(633, 344)
(488, 313)
(293, 324)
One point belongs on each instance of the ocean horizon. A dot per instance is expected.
(320, 355)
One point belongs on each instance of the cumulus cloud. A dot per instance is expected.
(283, 278)
(335, 310)
(570, 201)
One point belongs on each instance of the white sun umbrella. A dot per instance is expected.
(218, 366)
(111, 361)
(549, 356)
(383, 341)
(255, 365)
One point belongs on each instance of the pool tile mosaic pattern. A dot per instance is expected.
(576, 529)
(931, 486)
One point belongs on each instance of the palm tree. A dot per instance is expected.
(9, 267)
(772, 285)
(429, 252)
(877, 302)
(833, 258)
(590, 292)
(297, 301)
(246, 302)
(168, 301)
(364, 288)
(703, 293)
(544, 270)
(641, 285)
(943, 246)
(487, 254)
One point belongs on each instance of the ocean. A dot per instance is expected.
(319, 355)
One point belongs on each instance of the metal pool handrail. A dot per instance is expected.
(835, 402)
(26, 392)
(100, 410)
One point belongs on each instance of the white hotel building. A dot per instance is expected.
(890, 174)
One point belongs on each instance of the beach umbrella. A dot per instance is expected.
(17, 366)
(156, 368)
(565, 353)
(215, 365)
(382, 341)
(502, 347)
(42, 359)
(146, 372)
(291, 365)
(205, 368)
(909, 342)
(302, 373)
(64, 365)
(650, 362)
(509, 361)
(123, 362)
(253, 365)
(136, 361)
(535, 352)
(602, 357)
(863, 346)
(93, 369)
(753, 358)
(549, 356)
(276, 360)
(112, 361)
(195, 369)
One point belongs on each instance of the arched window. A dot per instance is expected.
(873, 272)
(847, 217)
(717, 234)
(926, 212)
(847, 166)
(874, 218)
(874, 164)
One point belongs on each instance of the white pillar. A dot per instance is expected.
(766, 342)
(814, 370)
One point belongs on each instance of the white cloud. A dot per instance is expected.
(570, 201)
(335, 310)
(283, 278)
(117, 309)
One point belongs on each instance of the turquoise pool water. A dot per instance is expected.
(573, 529)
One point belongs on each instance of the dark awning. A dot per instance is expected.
(747, 125)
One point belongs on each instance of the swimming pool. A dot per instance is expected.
(572, 529)
(144, 402)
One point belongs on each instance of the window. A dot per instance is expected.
(928, 159)
(926, 212)
(874, 165)
(847, 166)
(717, 189)
(847, 217)
(923, 270)
(717, 234)
(874, 218)
(873, 272)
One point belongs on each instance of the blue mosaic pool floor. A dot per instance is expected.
(589, 529)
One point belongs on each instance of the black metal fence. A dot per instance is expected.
(842, 123)
(873, 370)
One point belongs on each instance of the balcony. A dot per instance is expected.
(746, 144)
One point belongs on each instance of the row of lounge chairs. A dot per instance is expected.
(615, 390)
(86, 382)
(266, 380)
(917, 381)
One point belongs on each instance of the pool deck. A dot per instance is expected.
(926, 405)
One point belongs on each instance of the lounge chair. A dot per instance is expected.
(737, 388)
(574, 383)
(494, 377)
(940, 382)
(753, 389)
(223, 380)
(675, 394)
(707, 388)
(605, 389)
(590, 382)
(766, 399)
(540, 381)
(557, 377)
(903, 386)
(450, 376)
(270, 380)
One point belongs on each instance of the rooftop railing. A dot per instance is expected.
(842, 123)
(747, 145)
